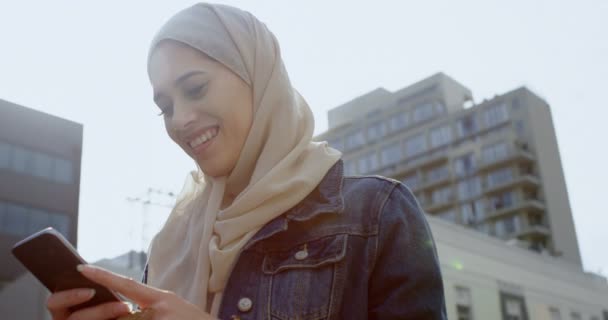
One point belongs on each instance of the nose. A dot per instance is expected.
(183, 117)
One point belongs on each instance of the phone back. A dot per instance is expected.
(53, 261)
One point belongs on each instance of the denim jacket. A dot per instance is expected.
(355, 248)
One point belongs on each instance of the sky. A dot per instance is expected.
(86, 61)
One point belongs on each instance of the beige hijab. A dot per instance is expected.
(279, 165)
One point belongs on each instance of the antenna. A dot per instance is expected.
(152, 197)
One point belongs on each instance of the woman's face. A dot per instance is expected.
(208, 110)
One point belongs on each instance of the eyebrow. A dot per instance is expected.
(179, 80)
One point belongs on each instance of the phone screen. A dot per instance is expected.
(53, 260)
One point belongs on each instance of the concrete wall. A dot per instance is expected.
(544, 141)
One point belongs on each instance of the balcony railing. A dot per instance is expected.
(532, 204)
(513, 154)
(525, 180)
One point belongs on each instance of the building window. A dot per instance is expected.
(464, 303)
(441, 136)
(495, 152)
(513, 307)
(43, 166)
(350, 167)
(473, 212)
(466, 126)
(369, 162)
(354, 140)
(511, 224)
(391, 154)
(21, 160)
(448, 215)
(415, 145)
(20, 221)
(412, 181)
(399, 121)
(464, 165)
(503, 200)
(499, 177)
(60, 222)
(34, 163)
(496, 115)
(14, 220)
(554, 313)
(438, 174)
(6, 153)
(443, 195)
(469, 188)
(337, 143)
(423, 112)
(376, 131)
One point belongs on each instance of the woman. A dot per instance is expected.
(268, 227)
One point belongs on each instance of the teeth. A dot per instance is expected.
(203, 138)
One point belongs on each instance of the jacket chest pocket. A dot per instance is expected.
(305, 280)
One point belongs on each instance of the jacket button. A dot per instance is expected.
(301, 255)
(245, 304)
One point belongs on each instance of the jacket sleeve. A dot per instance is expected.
(406, 279)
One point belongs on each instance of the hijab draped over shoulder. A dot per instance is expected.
(279, 165)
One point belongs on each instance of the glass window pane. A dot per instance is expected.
(6, 151)
(63, 171)
(399, 121)
(21, 159)
(466, 126)
(15, 220)
(423, 112)
(61, 223)
(391, 154)
(441, 136)
(496, 115)
(38, 220)
(464, 165)
(376, 130)
(415, 145)
(42, 165)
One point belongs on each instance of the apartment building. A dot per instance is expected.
(39, 179)
(492, 166)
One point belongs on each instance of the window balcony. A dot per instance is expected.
(516, 155)
(527, 205)
(526, 180)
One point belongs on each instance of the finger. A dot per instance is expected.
(64, 299)
(110, 310)
(138, 292)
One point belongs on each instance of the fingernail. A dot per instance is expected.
(122, 308)
(88, 293)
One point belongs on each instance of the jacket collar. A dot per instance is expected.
(325, 198)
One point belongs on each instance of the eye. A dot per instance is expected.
(195, 91)
(165, 110)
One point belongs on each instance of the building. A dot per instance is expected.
(486, 278)
(39, 179)
(493, 166)
(490, 178)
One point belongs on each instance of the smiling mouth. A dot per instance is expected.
(204, 137)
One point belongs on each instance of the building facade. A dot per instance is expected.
(487, 278)
(493, 166)
(40, 159)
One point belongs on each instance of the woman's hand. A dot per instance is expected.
(159, 303)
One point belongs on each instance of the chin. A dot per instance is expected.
(213, 170)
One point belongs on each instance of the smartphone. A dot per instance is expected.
(53, 260)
